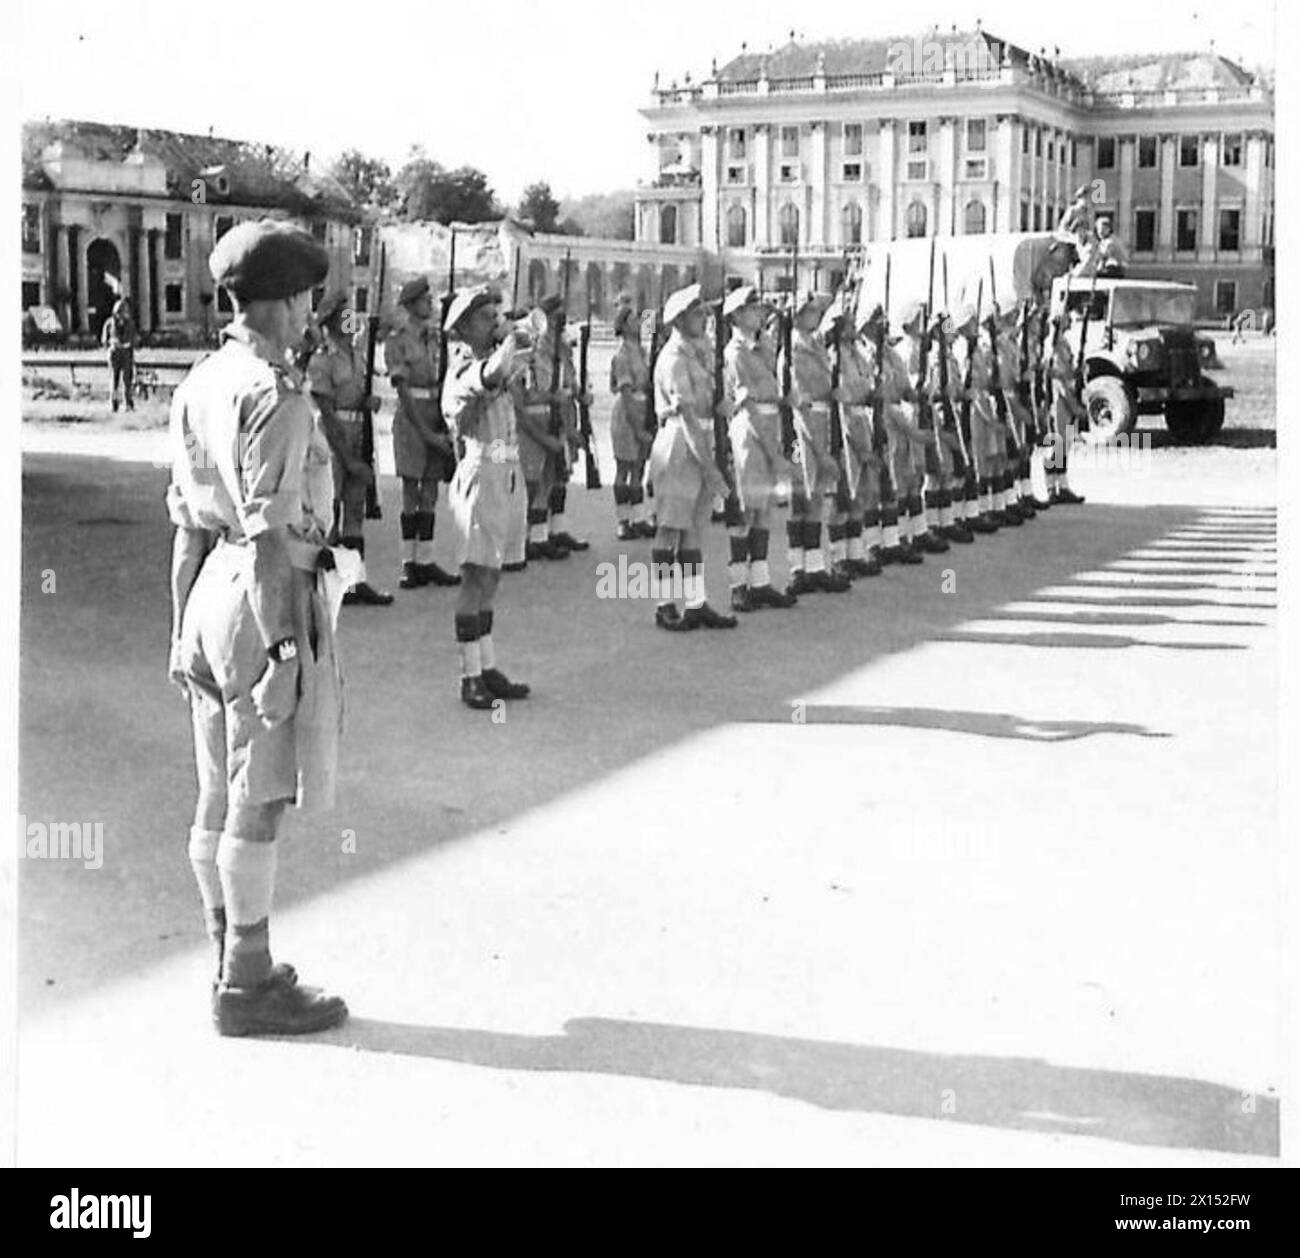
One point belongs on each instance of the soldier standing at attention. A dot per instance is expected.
(422, 450)
(252, 641)
(817, 473)
(686, 479)
(912, 445)
(565, 395)
(753, 396)
(336, 378)
(487, 492)
(119, 335)
(543, 452)
(861, 467)
(1067, 414)
(629, 381)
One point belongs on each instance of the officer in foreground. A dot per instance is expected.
(252, 640)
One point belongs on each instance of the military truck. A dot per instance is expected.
(1141, 356)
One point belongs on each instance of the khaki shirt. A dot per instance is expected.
(337, 372)
(628, 368)
(246, 452)
(747, 373)
(411, 354)
(482, 417)
(683, 385)
(810, 369)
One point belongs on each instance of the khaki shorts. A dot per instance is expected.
(489, 511)
(413, 457)
(235, 753)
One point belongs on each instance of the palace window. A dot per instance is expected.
(1225, 297)
(736, 144)
(1024, 139)
(1106, 152)
(361, 299)
(852, 139)
(1185, 231)
(1038, 141)
(31, 294)
(1229, 230)
(915, 219)
(1024, 215)
(668, 225)
(174, 238)
(736, 227)
(362, 238)
(789, 224)
(1232, 150)
(173, 298)
(1144, 231)
(222, 224)
(789, 141)
(851, 172)
(852, 222)
(1148, 151)
(917, 137)
(31, 229)
(1189, 150)
(974, 218)
(976, 135)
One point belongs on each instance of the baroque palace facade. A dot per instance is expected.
(109, 211)
(821, 147)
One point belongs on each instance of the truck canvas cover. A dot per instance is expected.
(1018, 257)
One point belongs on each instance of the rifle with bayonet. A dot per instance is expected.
(879, 433)
(440, 422)
(786, 340)
(584, 405)
(968, 376)
(651, 417)
(924, 410)
(947, 416)
(373, 324)
(847, 293)
(1003, 411)
(722, 452)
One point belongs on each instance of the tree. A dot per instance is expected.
(367, 179)
(426, 190)
(605, 214)
(539, 207)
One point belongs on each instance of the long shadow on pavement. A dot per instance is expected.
(105, 738)
(1015, 1093)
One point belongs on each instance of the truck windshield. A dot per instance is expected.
(1152, 305)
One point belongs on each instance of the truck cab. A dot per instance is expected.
(1138, 353)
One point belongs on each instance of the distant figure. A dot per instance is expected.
(1103, 255)
(119, 334)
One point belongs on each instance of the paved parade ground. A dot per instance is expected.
(973, 865)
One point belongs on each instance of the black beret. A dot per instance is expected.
(267, 261)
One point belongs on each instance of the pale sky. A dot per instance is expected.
(524, 91)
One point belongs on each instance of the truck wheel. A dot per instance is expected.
(1194, 423)
(1112, 409)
